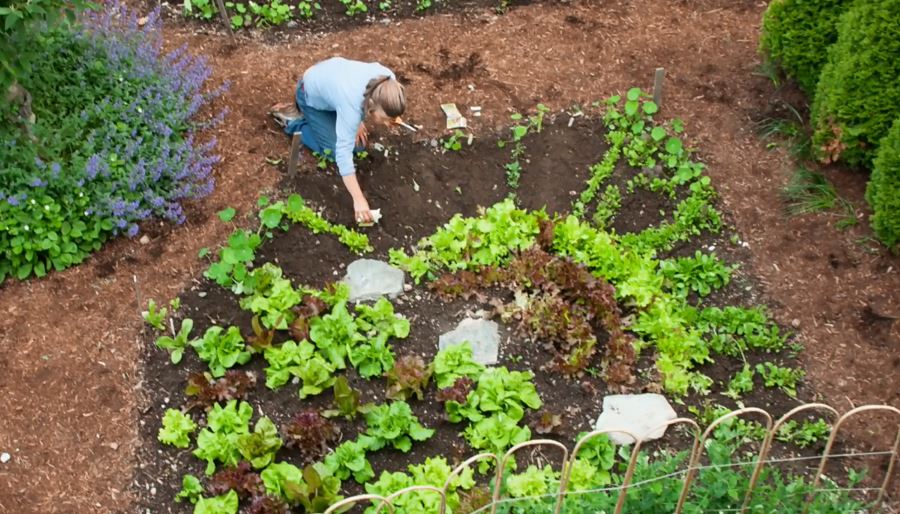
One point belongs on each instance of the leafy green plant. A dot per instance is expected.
(393, 424)
(455, 361)
(242, 17)
(202, 9)
(699, 274)
(259, 447)
(224, 504)
(354, 7)
(785, 379)
(231, 268)
(307, 10)
(434, 472)
(176, 345)
(498, 391)
(607, 207)
(335, 334)
(455, 141)
(218, 442)
(313, 488)
(191, 490)
(600, 453)
(296, 210)
(534, 481)
(346, 401)
(206, 390)
(271, 297)
(495, 434)
(372, 358)
(741, 383)
(803, 435)
(350, 459)
(176, 429)
(408, 377)
(423, 5)
(221, 351)
(298, 360)
(273, 13)
(155, 316)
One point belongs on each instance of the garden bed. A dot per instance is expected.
(419, 187)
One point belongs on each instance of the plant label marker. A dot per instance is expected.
(454, 118)
(295, 154)
(657, 85)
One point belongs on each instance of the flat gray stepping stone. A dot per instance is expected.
(639, 414)
(482, 334)
(370, 279)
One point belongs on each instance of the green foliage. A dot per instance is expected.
(334, 334)
(498, 391)
(271, 296)
(393, 424)
(453, 362)
(176, 429)
(700, 274)
(803, 435)
(218, 442)
(809, 191)
(858, 93)
(376, 324)
(495, 434)
(297, 211)
(455, 141)
(314, 488)
(408, 377)
(423, 5)
(221, 351)
(224, 504)
(231, 268)
(155, 316)
(600, 453)
(201, 9)
(796, 34)
(350, 459)
(784, 378)
(299, 360)
(733, 330)
(176, 345)
(607, 207)
(741, 383)
(354, 7)
(434, 472)
(534, 481)
(883, 191)
(191, 490)
(471, 243)
(600, 172)
(21, 22)
(259, 447)
(346, 399)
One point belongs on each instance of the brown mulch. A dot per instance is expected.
(70, 341)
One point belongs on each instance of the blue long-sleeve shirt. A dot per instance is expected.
(338, 84)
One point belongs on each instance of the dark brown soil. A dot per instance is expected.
(557, 163)
(70, 343)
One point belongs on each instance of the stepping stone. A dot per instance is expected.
(370, 279)
(482, 334)
(639, 414)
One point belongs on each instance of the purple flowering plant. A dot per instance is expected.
(118, 139)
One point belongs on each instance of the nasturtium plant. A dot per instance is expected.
(221, 351)
(176, 429)
(176, 345)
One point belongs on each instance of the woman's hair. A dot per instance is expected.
(386, 93)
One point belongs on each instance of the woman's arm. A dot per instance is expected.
(360, 205)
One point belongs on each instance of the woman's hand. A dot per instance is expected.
(362, 212)
(362, 136)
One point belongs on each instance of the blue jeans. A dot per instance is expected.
(316, 126)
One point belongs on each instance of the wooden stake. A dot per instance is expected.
(295, 155)
(220, 5)
(657, 85)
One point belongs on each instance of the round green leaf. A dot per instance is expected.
(658, 133)
(650, 107)
(633, 94)
(227, 214)
(673, 145)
